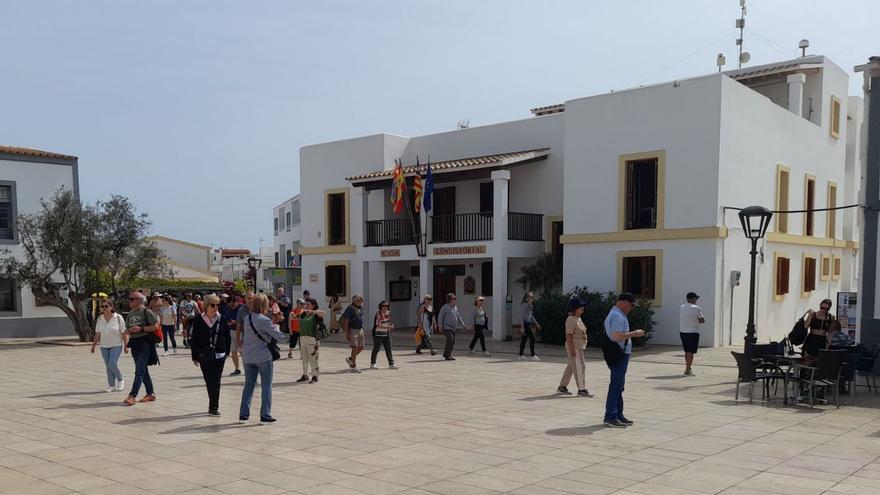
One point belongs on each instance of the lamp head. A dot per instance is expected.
(755, 220)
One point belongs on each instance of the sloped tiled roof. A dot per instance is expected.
(18, 150)
(464, 163)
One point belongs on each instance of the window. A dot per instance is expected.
(826, 267)
(783, 269)
(276, 259)
(9, 296)
(288, 258)
(487, 197)
(486, 278)
(809, 277)
(832, 214)
(641, 195)
(295, 212)
(7, 211)
(809, 204)
(835, 117)
(336, 277)
(288, 221)
(555, 233)
(835, 267)
(281, 259)
(782, 176)
(276, 226)
(336, 219)
(639, 276)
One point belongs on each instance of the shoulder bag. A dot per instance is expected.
(271, 344)
(321, 331)
(611, 351)
(798, 333)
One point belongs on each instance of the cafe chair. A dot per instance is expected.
(753, 371)
(825, 376)
(868, 366)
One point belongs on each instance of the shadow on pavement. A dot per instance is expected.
(208, 428)
(575, 431)
(546, 397)
(67, 394)
(159, 419)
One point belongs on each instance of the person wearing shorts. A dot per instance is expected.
(690, 319)
(353, 326)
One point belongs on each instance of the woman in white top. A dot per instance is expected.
(481, 324)
(168, 320)
(110, 334)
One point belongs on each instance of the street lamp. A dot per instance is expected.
(254, 265)
(755, 220)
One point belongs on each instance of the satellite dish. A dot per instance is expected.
(744, 57)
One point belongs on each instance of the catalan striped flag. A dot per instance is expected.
(417, 188)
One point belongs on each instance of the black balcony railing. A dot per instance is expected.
(462, 227)
(393, 232)
(525, 226)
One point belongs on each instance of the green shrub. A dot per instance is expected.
(551, 312)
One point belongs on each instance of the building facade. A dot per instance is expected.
(637, 190)
(26, 177)
(283, 269)
(187, 261)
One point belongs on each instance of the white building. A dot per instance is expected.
(187, 261)
(285, 254)
(636, 180)
(26, 177)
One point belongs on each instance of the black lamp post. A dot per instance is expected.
(254, 265)
(755, 220)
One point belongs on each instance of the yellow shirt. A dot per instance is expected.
(575, 327)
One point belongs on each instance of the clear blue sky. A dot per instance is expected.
(196, 109)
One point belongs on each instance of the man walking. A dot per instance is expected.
(189, 308)
(353, 326)
(617, 350)
(238, 344)
(284, 305)
(232, 308)
(690, 319)
(449, 320)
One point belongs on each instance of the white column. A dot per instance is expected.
(501, 183)
(358, 214)
(796, 93)
(426, 280)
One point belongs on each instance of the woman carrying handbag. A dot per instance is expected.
(210, 343)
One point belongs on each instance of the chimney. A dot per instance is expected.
(796, 93)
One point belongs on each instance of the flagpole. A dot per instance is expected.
(409, 207)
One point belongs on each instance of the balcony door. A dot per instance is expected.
(444, 214)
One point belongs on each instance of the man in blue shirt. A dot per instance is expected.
(618, 332)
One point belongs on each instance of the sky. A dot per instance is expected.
(196, 109)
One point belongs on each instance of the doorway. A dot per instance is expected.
(444, 215)
(444, 281)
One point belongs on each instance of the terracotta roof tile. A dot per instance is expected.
(474, 162)
(18, 150)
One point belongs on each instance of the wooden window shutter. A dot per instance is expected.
(782, 270)
(809, 274)
(837, 263)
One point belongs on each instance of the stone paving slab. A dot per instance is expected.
(479, 425)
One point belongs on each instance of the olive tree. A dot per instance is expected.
(78, 250)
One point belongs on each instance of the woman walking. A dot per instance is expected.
(210, 343)
(335, 313)
(529, 326)
(110, 334)
(257, 332)
(575, 343)
(427, 323)
(819, 323)
(141, 325)
(382, 327)
(294, 324)
(481, 324)
(308, 342)
(168, 320)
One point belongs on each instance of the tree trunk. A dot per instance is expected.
(77, 314)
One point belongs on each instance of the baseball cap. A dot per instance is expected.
(480, 298)
(575, 303)
(692, 295)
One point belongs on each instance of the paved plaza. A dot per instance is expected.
(479, 425)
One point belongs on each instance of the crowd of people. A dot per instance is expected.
(248, 328)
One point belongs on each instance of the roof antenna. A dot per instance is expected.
(741, 25)
(463, 124)
(803, 45)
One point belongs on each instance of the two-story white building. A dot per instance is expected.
(28, 176)
(286, 246)
(634, 184)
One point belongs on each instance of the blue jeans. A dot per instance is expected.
(140, 352)
(111, 358)
(614, 402)
(251, 370)
(168, 334)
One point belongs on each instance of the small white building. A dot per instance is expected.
(26, 177)
(187, 261)
(285, 256)
(631, 187)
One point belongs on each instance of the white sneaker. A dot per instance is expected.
(111, 389)
(373, 367)
(164, 353)
(120, 385)
(519, 358)
(392, 367)
(486, 353)
(535, 358)
(174, 351)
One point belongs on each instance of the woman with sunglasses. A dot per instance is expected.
(110, 334)
(819, 323)
(382, 327)
(210, 344)
(529, 326)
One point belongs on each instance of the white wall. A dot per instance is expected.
(193, 256)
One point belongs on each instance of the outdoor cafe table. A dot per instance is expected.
(793, 363)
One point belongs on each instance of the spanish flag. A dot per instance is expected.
(417, 188)
(397, 185)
